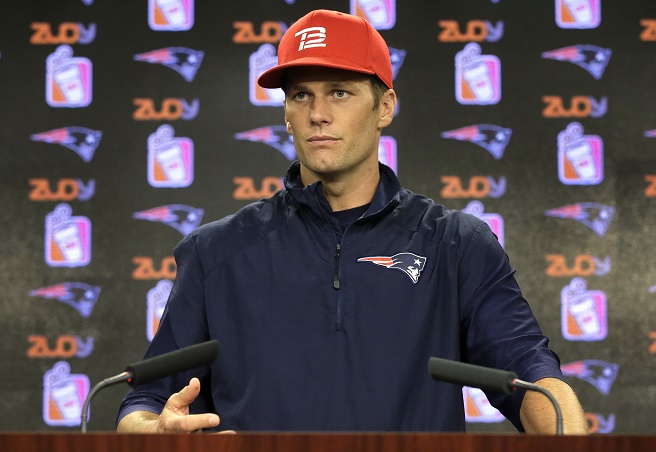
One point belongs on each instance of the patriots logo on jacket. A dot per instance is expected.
(408, 263)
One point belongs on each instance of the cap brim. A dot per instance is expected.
(273, 77)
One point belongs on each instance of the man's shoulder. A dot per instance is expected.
(237, 231)
(426, 213)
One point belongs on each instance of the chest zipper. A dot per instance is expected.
(338, 252)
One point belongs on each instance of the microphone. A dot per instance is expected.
(155, 368)
(487, 378)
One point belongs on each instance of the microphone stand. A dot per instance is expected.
(517, 383)
(120, 378)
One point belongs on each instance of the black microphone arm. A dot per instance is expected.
(487, 378)
(157, 367)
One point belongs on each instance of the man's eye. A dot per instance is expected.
(299, 96)
(340, 94)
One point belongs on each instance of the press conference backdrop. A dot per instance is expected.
(127, 124)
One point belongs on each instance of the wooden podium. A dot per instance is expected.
(319, 442)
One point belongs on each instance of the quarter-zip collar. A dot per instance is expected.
(386, 197)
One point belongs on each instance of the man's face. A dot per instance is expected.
(335, 128)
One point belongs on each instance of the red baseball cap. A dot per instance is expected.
(331, 39)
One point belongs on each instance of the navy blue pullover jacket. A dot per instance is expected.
(330, 330)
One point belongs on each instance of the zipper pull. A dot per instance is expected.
(338, 251)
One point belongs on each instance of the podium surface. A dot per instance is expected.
(319, 442)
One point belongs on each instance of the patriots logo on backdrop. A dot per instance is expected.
(396, 58)
(180, 217)
(81, 296)
(592, 58)
(80, 140)
(408, 263)
(275, 136)
(593, 215)
(184, 61)
(599, 374)
(490, 137)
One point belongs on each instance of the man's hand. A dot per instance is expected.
(174, 418)
(538, 415)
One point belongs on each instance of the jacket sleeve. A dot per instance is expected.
(183, 323)
(498, 328)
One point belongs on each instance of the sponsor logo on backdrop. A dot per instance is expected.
(170, 15)
(270, 32)
(650, 190)
(275, 136)
(182, 60)
(494, 220)
(147, 269)
(579, 107)
(598, 373)
(170, 159)
(600, 424)
(474, 31)
(67, 238)
(65, 346)
(66, 189)
(490, 137)
(262, 59)
(593, 59)
(68, 79)
(80, 140)
(478, 77)
(247, 191)
(180, 217)
(387, 152)
(578, 13)
(80, 296)
(380, 13)
(63, 396)
(155, 303)
(580, 157)
(67, 33)
(476, 187)
(170, 109)
(648, 30)
(584, 265)
(583, 312)
(591, 214)
(478, 407)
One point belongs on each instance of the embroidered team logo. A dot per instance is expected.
(408, 263)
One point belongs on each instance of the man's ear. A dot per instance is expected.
(287, 124)
(387, 107)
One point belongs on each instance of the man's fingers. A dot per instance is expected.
(190, 423)
(181, 400)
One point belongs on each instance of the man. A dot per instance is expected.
(330, 297)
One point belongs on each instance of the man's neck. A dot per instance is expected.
(346, 192)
